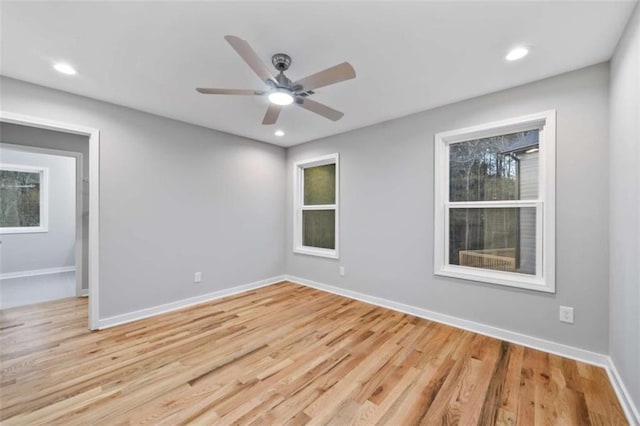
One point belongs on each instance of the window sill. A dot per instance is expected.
(312, 251)
(24, 230)
(508, 279)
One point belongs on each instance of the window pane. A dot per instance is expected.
(320, 185)
(497, 168)
(19, 199)
(319, 228)
(502, 239)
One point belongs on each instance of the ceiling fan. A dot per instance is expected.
(281, 90)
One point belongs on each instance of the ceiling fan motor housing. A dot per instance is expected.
(281, 61)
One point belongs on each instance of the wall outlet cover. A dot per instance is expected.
(566, 314)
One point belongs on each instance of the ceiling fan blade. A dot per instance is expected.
(250, 57)
(336, 74)
(206, 91)
(321, 109)
(272, 114)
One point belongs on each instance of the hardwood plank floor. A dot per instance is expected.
(283, 354)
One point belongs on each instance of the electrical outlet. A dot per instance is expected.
(197, 277)
(566, 314)
(342, 271)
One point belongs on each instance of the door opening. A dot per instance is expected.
(41, 221)
(82, 147)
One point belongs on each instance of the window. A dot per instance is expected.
(23, 199)
(495, 203)
(316, 197)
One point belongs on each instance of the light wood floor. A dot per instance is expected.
(283, 354)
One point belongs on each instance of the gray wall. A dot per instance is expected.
(387, 212)
(174, 199)
(625, 208)
(31, 136)
(55, 248)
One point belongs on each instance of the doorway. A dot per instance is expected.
(81, 146)
(43, 218)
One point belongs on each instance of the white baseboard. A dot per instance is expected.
(184, 303)
(583, 355)
(35, 272)
(630, 409)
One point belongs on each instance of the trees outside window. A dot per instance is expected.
(23, 199)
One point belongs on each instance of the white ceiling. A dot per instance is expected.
(408, 56)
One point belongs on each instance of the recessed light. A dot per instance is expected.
(279, 133)
(65, 68)
(517, 53)
(281, 97)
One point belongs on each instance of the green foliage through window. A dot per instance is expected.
(319, 228)
(320, 185)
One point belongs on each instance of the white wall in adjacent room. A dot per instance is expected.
(55, 248)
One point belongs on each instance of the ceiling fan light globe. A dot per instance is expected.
(280, 97)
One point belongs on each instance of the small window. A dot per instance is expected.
(495, 187)
(23, 199)
(316, 206)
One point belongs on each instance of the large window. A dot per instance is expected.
(23, 199)
(315, 229)
(494, 202)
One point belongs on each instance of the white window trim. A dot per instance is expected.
(298, 197)
(44, 199)
(544, 280)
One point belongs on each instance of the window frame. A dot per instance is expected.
(299, 207)
(544, 280)
(44, 199)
